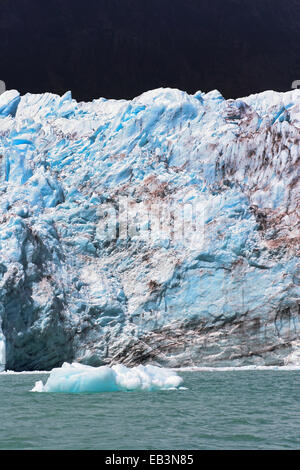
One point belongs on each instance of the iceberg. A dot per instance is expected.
(79, 378)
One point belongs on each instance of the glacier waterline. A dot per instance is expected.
(219, 410)
(184, 369)
(65, 295)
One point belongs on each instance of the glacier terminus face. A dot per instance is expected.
(162, 230)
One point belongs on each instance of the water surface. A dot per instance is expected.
(219, 410)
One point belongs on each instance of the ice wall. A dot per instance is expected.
(229, 297)
(2, 349)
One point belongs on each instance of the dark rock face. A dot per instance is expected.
(121, 48)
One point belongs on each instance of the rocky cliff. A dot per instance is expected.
(163, 229)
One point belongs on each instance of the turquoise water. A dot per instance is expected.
(220, 410)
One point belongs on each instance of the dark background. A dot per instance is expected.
(120, 48)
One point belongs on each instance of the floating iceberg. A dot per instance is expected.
(78, 378)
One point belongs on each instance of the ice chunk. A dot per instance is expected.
(78, 378)
(9, 102)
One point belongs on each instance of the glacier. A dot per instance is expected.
(79, 378)
(2, 350)
(69, 293)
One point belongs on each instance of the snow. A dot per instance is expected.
(78, 378)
